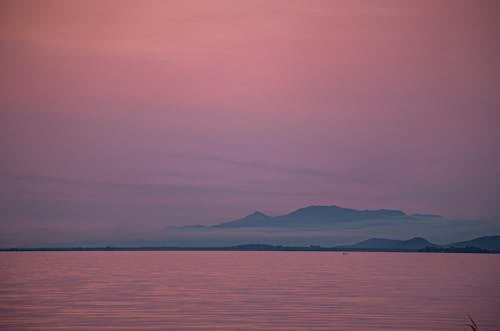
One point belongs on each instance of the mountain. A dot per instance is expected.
(333, 225)
(313, 216)
(491, 243)
(257, 219)
(321, 215)
(391, 244)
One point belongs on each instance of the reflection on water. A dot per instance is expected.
(247, 291)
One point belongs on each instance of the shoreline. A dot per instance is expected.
(253, 248)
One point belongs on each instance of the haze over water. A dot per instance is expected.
(247, 291)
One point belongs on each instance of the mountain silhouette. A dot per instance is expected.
(333, 225)
(489, 242)
(313, 216)
(412, 244)
(256, 219)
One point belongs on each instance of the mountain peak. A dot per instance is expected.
(257, 213)
(256, 218)
(316, 210)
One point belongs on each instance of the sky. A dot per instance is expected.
(121, 118)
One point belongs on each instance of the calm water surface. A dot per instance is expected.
(247, 291)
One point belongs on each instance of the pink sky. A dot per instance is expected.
(141, 114)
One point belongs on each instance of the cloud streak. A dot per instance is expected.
(260, 165)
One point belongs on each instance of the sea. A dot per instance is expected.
(210, 290)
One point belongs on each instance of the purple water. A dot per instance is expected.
(247, 291)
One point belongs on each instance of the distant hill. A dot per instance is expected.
(491, 243)
(257, 219)
(391, 244)
(322, 215)
(313, 216)
(329, 226)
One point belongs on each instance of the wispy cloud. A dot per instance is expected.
(142, 187)
(260, 165)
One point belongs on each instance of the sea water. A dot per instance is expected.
(210, 290)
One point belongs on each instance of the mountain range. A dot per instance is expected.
(334, 226)
(415, 243)
(489, 243)
(317, 216)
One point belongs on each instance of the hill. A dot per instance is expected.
(491, 243)
(256, 219)
(313, 216)
(391, 244)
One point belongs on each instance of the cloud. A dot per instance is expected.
(40, 187)
(260, 165)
